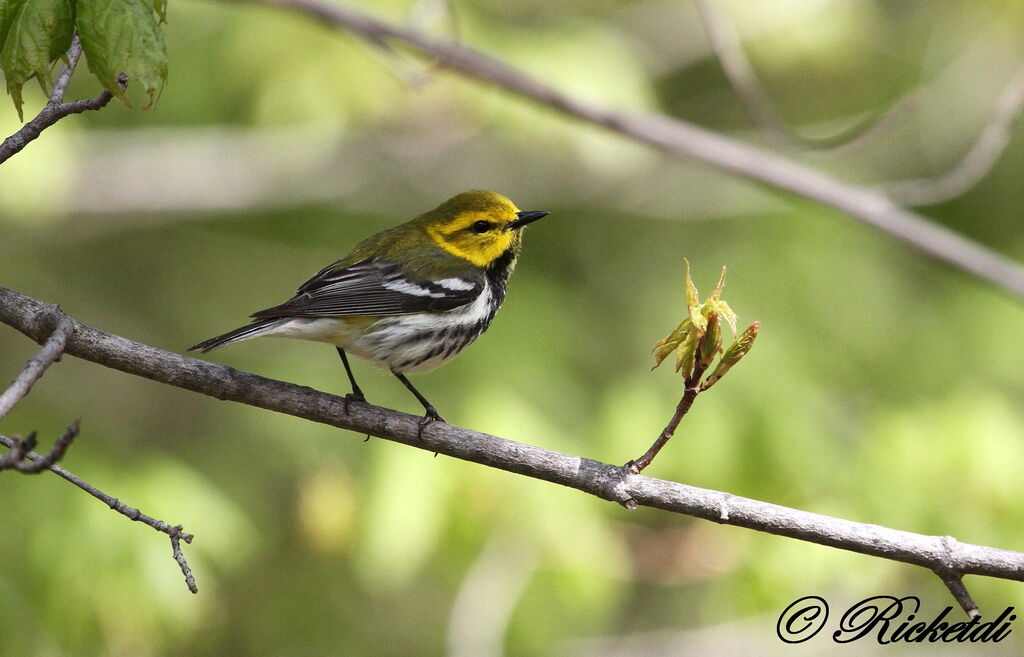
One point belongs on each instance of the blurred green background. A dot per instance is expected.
(883, 388)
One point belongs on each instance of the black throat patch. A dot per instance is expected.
(499, 271)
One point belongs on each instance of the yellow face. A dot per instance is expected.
(478, 226)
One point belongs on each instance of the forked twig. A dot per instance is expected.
(56, 109)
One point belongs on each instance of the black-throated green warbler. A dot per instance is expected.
(408, 298)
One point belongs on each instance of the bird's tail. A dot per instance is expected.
(256, 329)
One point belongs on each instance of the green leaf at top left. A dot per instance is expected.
(37, 33)
(7, 10)
(124, 36)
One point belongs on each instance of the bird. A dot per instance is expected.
(408, 298)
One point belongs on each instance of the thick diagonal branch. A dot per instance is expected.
(36, 320)
(686, 140)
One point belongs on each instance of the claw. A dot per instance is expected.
(430, 416)
(353, 397)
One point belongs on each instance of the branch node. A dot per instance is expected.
(28, 444)
(610, 483)
(952, 576)
(53, 346)
(950, 562)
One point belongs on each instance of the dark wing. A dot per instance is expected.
(373, 287)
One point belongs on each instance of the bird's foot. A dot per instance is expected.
(430, 416)
(356, 396)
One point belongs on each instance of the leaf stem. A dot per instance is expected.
(690, 391)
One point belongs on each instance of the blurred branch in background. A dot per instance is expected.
(684, 139)
(978, 161)
(488, 596)
(727, 46)
(56, 109)
(424, 15)
(942, 555)
(21, 458)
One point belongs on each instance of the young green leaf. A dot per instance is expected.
(686, 355)
(7, 10)
(37, 32)
(693, 302)
(717, 292)
(722, 309)
(665, 347)
(123, 35)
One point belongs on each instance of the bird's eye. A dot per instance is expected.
(480, 227)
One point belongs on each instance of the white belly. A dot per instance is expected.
(421, 342)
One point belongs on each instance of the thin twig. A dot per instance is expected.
(955, 583)
(684, 139)
(20, 456)
(691, 388)
(36, 320)
(56, 109)
(978, 161)
(34, 369)
(727, 46)
(117, 505)
(46, 118)
(177, 535)
(61, 85)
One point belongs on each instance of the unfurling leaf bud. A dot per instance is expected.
(697, 341)
(737, 350)
(711, 343)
